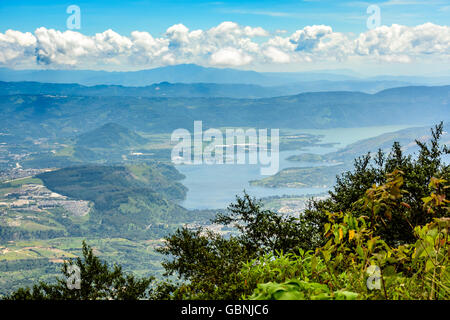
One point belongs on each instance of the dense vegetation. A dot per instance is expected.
(129, 201)
(99, 281)
(28, 262)
(382, 234)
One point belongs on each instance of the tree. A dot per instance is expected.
(97, 282)
(262, 231)
(368, 171)
(209, 264)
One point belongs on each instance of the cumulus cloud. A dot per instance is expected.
(308, 38)
(276, 55)
(403, 44)
(227, 44)
(16, 46)
(230, 57)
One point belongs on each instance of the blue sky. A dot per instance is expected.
(156, 16)
(284, 35)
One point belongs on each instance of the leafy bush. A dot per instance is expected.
(299, 290)
(369, 170)
(356, 261)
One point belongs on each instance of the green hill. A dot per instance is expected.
(133, 201)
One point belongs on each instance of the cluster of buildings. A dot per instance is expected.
(18, 173)
(36, 197)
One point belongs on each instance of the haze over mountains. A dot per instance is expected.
(110, 135)
(183, 73)
(213, 81)
(66, 116)
(163, 89)
(166, 89)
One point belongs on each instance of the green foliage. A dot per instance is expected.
(277, 267)
(128, 200)
(195, 254)
(8, 233)
(418, 270)
(331, 258)
(299, 290)
(209, 263)
(262, 230)
(98, 282)
(24, 263)
(417, 173)
(431, 258)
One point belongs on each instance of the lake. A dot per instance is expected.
(215, 186)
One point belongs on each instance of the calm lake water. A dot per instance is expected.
(215, 186)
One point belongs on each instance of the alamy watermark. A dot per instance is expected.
(74, 280)
(374, 280)
(74, 20)
(240, 146)
(374, 20)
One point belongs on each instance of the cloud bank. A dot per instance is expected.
(226, 45)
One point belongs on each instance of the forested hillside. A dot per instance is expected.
(128, 201)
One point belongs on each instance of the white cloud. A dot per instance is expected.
(16, 47)
(230, 57)
(309, 37)
(227, 44)
(276, 55)
(404, 43)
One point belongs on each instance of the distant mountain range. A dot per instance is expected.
(191, 73)
(183, 73)
(163, 89)
(52, 116)
(166, 89)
